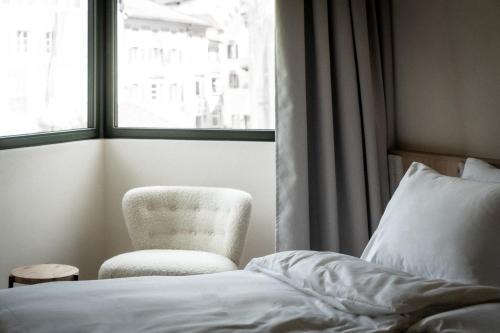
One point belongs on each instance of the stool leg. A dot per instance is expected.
(75, 277)
(11, 281)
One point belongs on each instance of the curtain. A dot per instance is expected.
(334, 119)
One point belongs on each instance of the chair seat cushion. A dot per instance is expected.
(164, 262)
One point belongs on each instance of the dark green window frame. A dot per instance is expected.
(102, 111)
(92, 131)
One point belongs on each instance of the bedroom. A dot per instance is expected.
(61, 202)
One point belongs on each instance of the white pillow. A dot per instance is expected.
(480, 171)
(440, 227)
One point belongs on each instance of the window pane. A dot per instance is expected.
(43, 66)
(196, 64)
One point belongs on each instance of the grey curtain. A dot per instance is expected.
(334, 122)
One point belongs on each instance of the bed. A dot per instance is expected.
(297, 291)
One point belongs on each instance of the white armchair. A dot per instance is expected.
(181, 231)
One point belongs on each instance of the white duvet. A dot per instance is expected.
(299, 291)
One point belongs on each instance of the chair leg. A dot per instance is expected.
(11, 281)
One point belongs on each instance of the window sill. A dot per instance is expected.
(192, 134)
(38, 139)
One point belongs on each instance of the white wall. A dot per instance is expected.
(447, 74)
(62, 203)
(249, 166)
(51, 206)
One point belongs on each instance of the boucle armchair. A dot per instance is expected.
(181, 231)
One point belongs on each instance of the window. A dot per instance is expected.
(215, 86)
(22, 41)
(134, 93)
(174, 92)
(232, 50)
(157, 55)
(218, 61)
(234, 81)
(49, 36)
(198, 88)
(40, 93)
(174, 57)
(154, 91)
(133, 55)
(213, 52)
(195, 69)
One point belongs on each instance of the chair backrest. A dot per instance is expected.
(188, 218)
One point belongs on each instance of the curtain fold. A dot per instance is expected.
(334, 115)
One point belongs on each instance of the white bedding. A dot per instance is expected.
(299, 291)
(470, 319)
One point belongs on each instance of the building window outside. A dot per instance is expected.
(197, 88)
(215, 86)
(154, 91)
(174, 57)
(246, 121)
(174, 92)
(161, 92)
(157, 55)
(232, 50)
(234, 81)
(213, 54)
(22, 41)
(134, 92)
(133, 55)
(49, 41)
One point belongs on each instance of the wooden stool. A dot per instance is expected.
(42, 273)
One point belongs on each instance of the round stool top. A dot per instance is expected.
(43, 273)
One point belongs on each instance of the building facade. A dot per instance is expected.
(43, 65)
(189, 65)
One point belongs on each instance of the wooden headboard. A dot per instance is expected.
(450, 165)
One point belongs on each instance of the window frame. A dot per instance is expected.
(102, 97)
(111, 129)
(92, 131)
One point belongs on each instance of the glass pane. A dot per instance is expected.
(43, 66)
(196, 64)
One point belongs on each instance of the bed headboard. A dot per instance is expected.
(451, 165)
